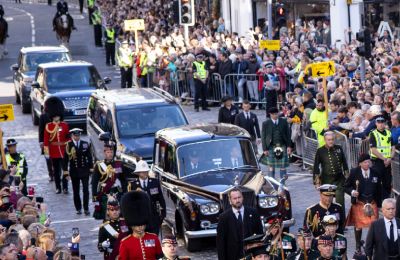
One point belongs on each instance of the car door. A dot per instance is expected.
(96, 124)
(17, 75)
(38, 94)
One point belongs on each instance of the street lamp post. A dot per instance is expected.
(269, 14)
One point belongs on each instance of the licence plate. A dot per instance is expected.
(80, 112)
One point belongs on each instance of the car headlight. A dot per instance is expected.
(267, 202)
(209, 208)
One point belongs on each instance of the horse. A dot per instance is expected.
(63, 29)
(3, 37)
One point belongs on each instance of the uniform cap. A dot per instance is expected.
(327, 189)
(254, 239)
(259, 250)
(170, 239)
(269, 65)
(363, 157)
(11, 141)
(380, 119)
(329, 220)
(54, 107)
(112, 203)
(226, 98)
(273, 110)
(135, 208)
(142, 166)
(325, 240)
(76, 131)
(200, 55)
(304, 232)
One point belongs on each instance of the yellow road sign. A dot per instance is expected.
(134, 25)
(6, 112)
(271, 45)
(323, 69)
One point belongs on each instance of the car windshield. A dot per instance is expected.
(215, 155)
(142, 121)
(32, 60)
(71, 78)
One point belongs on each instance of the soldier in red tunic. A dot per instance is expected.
(139, 245)
(56, 135)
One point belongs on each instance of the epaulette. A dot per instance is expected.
(288, 234)
(312, 206)
(125, 238)
(336, 204)
(105, 223)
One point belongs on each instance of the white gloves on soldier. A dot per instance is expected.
(106, 244)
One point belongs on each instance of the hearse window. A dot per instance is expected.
(166, 158)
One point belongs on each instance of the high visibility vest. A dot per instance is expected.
(383, 143)
(142, 63)
(110, 35)
(19, 164)
(125, 57)
(90, 3)
(200, 69)
(96, 18)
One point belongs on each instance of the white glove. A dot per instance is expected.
(105, 244)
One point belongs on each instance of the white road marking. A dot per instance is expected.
(71, 220)
(9, 19)
(33, 38)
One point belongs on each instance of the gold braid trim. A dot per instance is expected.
(71, 153)
(142, 248)
(54, 132)
(108, 173)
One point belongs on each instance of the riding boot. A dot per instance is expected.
(71, 20)
(357, 235)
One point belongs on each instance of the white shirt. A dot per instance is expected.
(235, 162)
(247, 115)
(275, 121)
(143, 183)
(76, 143)
(387, 225)
(236, 212)
(194, 165)
(365, 173)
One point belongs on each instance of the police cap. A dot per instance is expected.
(11, 142)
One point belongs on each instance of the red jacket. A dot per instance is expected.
(56, 136)
(131, 248)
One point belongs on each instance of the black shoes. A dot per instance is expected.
(87, 212)
(58, 191)
(206, 109)
(79, 212)
(65, 191)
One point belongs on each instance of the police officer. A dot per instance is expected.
(96, 21)
(325, 248)
(339, 241)
(169, 247)
(334, 169)
(14, 158)
(90, 7)
(364, 186)
(153, 188)
(108, 179)
(3, 21)
(79, 161)
(200, 75)
(315, 214)
(125, 63)
(110, 230)
(281, 243)
(135, 208)
(62, 9)
(304, 239)
(109, 34)
(381, 151)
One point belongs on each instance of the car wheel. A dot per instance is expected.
(192, 245)
(35, 118)
(26, 108)
(17, 98)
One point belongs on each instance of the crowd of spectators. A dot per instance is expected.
(25, 231)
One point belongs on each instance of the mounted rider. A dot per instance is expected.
(3, 21)
(62, 8)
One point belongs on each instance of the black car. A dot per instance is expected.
(24, 71)
(198, 165)
(72, 82)
(131, 117)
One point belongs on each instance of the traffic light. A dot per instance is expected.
(186, 12)
(364, 37)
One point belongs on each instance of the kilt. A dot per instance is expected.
(357, 218)
(271, 161)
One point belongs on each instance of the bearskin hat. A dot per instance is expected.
(135, 208)
(54, 107)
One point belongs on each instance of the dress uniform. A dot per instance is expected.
(125, 63)
(282, 244)
(200, 75)
(305, 251)
(18, 159)
(315, 213)
(334, 169)
(381, 153)
(110, 35)
(228, 111)
(108, 179)
(79, 162)
(251, 243)
(339, 241)
(140, 245)
(56, 136)
(110, 232)
(153, 188)
(363, 185)
(326, 241)
(96, 21)
(169, 248)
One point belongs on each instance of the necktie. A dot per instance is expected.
(240, 219)
(248, 116)
(240, 222)
(144, 185)
(391, 232)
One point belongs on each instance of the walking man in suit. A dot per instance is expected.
(363, 185)
(235, 224)
(249, 121)
(383, 238)
(276, 142)
(78, 164)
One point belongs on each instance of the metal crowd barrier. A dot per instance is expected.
(396, 173)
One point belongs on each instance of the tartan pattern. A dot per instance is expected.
(271, 161)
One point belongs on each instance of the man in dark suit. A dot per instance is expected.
(383, 241)
(363, 185)
(153, 188)
(276, 134)
(79, 162)
(235, 224)
(249, 121)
